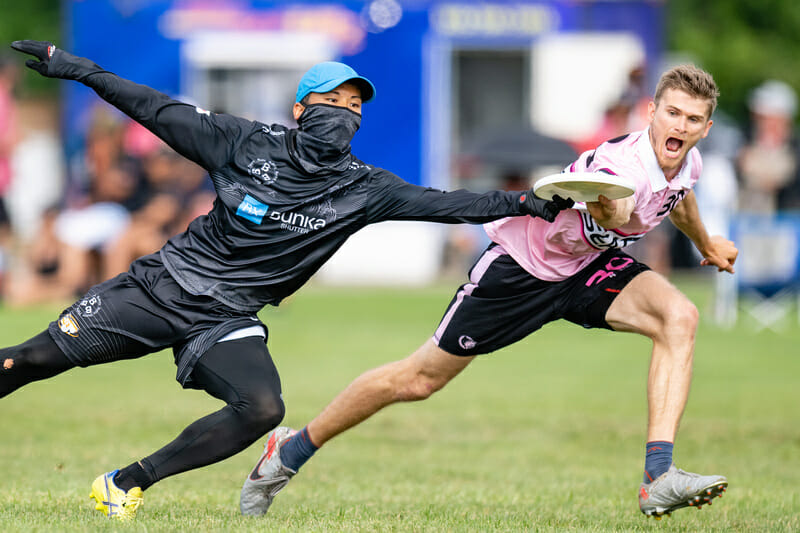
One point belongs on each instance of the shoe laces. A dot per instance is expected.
(130, 504)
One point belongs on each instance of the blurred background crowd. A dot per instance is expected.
(480, 95)
(127, 192)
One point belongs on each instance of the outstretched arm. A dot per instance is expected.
(717, 250)
(391, 198)
(199, 135)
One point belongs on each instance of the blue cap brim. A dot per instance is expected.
(367, 89)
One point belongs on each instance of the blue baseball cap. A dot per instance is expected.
(326, 76)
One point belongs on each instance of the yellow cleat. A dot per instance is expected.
(114, 502)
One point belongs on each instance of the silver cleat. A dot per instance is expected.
(676, 489)
(268, 477)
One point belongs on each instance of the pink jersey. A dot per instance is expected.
(558, 250)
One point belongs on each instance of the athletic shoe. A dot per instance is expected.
(114, 502)
(268, 477)
(675, 489)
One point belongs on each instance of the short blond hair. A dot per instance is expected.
(692, 80)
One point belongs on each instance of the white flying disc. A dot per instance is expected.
(584, 186)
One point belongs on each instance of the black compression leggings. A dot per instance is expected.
(239, 372)
(242, 374)
(35, 359)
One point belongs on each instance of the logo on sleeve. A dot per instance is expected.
(252, 209)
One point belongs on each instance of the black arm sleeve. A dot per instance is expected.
(391, 198)
(206, 138)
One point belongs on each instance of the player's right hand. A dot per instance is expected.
(50, 61)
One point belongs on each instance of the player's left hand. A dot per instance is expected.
(42, 50)
(51, 61)
(721, 253)
(546, 209)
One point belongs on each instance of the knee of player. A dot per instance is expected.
(686, 316)
(38, 351)
(421, 387)
(263, 410)
(17, 358)
(681, 319)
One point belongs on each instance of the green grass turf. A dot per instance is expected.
(547, 435)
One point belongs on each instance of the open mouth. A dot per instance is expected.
(674, 145)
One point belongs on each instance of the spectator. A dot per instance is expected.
(625, 114)
(637, 95)
(66, 254)
(96, 177)
(178, 193)
(616, 121)
(47, 271)
(9, 74)
(768, 163)
(130, 193)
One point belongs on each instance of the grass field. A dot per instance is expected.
(547, 435)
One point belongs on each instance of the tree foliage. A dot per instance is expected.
(31, 19)
(741, 42)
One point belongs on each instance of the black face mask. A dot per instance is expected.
(331, 124)
(323, 141)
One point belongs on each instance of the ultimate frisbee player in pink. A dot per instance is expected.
(573, 269)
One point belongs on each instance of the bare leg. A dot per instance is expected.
(653, 307)
(414, 378)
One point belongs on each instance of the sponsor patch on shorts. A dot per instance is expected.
(466, 342)
(68, 325)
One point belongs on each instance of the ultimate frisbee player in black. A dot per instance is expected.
(287, 199)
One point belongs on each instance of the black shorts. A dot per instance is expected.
(143, 311)
(503, 303)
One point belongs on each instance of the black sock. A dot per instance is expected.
(131, 476)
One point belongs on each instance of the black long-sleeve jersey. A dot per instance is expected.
(273, 224)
